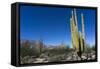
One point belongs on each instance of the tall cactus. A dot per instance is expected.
(78, 38)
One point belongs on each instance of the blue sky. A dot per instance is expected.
(52, 24)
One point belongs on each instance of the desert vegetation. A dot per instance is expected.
(38, 52)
